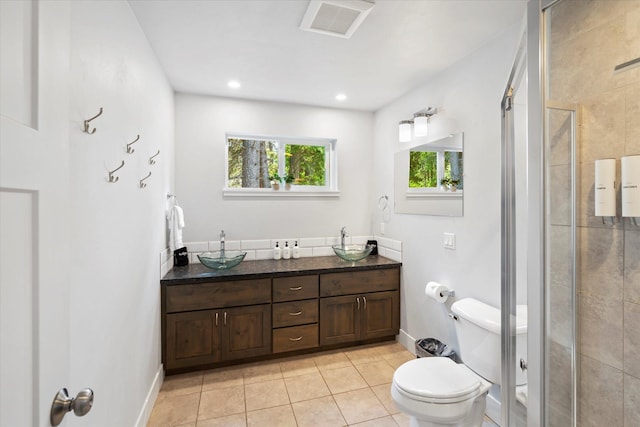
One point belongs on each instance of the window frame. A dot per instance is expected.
(437, 191)
(331, 167)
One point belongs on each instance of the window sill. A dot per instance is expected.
(282, 193)
(435, 195)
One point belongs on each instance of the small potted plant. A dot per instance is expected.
(453, 184)
(288, 180)
(444, 184)
(275, 181)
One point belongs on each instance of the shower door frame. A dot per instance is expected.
(531, 46)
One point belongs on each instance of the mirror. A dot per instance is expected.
(429, 178)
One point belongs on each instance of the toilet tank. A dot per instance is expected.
(478, 330)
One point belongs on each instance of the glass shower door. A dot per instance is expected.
(515, 220)
(560, 249)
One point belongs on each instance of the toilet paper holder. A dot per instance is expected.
(449, 293)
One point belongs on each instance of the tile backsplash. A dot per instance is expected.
(263, 248)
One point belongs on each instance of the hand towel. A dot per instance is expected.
(175, 219)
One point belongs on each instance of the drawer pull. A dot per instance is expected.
(297, 288)
(216, 318)
(296, 314)
(295, 339)
(365, 302)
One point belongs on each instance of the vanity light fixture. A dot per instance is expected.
(419, 124)
(421, 121)
(404, 130)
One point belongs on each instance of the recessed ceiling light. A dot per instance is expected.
(341, 97)
(234, 84)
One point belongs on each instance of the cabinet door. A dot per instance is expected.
(339, 319)
(246, 331)
(380, 314)
(192, 338)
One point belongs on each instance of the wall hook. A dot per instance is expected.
(129, 149)
(86, 123)
(151, 159)
(142, 183)
(114, 178)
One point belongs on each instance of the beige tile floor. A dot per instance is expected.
(348, 387)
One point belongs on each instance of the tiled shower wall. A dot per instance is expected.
(587, 39)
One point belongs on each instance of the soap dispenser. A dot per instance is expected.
(286, 251)
(277, 252)
(295, 251)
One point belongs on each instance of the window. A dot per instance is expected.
(428, 169)
(254, 163)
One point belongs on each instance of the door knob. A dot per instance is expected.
(62, 403)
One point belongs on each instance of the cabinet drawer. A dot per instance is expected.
(295, 288)
(295, 313)
(203, 296)
(334, 284)
(295, 338)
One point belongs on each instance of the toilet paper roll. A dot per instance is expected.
(437, 292)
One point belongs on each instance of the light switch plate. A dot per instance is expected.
(449, 241)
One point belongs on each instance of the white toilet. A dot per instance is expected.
(435, 391)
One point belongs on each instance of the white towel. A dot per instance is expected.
(175, 218)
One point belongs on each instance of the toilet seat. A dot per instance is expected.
(437, 380)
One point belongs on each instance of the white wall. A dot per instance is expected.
(469, 92)
(201, 124)
(117, 229)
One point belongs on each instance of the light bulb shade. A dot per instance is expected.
(420, 124)
(404, 130)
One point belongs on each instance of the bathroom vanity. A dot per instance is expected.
(271, 308)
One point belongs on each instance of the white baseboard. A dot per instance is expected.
(493, 409)
(407, 341)
(152, 395)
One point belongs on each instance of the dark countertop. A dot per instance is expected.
(195, 273)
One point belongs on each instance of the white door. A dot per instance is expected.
(34, 183)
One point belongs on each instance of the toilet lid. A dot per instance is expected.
(436, 378)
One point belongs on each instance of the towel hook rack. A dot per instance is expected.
(130, 150)
(113, 178)
(142, 183)
(151, 159)
(86, 123)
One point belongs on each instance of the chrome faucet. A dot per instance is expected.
(343, 234)
(222, 235)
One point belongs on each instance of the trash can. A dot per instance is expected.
(431, 347)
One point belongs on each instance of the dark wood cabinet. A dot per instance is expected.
(295, 314)
(208, 324)
(209, 336)
(203, 327)
(359, 316)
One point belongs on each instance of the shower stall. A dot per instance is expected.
(573, 97)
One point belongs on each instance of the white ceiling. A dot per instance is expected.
(204, 44)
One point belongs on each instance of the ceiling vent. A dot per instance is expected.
(340, 18)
